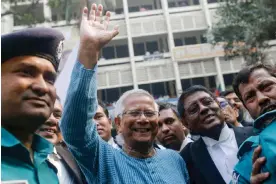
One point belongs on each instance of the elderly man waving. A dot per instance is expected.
(138, 161)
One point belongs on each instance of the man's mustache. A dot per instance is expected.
(269, 107)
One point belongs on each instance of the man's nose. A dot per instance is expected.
(40, 86)
(263, 100)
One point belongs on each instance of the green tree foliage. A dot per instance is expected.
(32, 13)
(245, 26)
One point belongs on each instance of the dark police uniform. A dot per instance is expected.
(16, 164)
(265, 126)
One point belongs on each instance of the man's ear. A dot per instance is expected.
(118, 124)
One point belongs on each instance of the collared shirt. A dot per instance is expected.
(16, 162)
(223, 152)
(62, 173)
(112, 143)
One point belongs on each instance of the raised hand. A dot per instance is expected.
(94, 35)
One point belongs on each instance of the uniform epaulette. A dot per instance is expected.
(247, 145)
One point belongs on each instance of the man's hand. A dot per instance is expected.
(256, 176)
(94, 35)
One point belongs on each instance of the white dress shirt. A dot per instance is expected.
(187, 140)
(63, 175)
(223, 152)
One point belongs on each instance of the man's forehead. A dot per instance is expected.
(29, 61)
(255, 79)
(259, 74)
(167, 113)
(196, 96)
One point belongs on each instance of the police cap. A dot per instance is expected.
(46, 43)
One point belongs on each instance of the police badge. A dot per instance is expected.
(235, 178)
(59, 50)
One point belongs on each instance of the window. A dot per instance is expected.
(198, 81)
(147, 7)
(108, 52)
(145, 87)
(139, 49)
(171, 4)
(152, 46)
(122, 51)
(119, 10)
(212, 82)
(113, 94)
(203, 39)
(124, 89)
(54, 17)
(185, 83)
(196, 2)
(178, 42)
(183, 3)
(190, 40)
(228, 79)
(158, 89)
(134, 9)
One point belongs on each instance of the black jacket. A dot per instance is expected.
(70, 164)
(201, 168)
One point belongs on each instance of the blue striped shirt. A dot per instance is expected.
(100, 162)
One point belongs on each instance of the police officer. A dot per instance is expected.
(29, 64)
(256, 87)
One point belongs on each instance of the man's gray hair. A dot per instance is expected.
(120, 107)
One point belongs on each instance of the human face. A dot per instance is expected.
(103, 124)
(259, 94)
(203, 114)
(50, 129)
(28, 92)
(141, 130)
(234, 100)
(231, 114)
(171, 130)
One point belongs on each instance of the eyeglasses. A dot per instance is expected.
(137, 114)
(223, 104)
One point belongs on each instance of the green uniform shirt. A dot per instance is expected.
(17, 165)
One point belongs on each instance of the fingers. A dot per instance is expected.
(257, 165)
(256, 153)
(115, 31)
(92, 14)
(107, 19)
(259, 178)
(99, 13)
(84, 13)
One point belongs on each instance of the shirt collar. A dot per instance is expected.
(262, 121)
(224, 135)
(39, 144)
(7, 139)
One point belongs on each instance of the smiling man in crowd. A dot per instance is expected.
(256, 87)
(136, 113)
(211, 158)
(68, 171)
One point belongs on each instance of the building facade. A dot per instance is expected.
(160, 48)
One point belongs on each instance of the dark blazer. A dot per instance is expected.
(70, 164)
(201, 168)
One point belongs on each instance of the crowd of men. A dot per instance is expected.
(205, 139)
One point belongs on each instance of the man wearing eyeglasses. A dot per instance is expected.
(137, 116)
(211, 158)
(230, 112)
